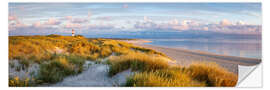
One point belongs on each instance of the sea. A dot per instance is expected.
(230, 47)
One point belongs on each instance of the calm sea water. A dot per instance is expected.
(241, 48)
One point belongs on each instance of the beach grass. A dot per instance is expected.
(212, 74)
(18, 82)
(163, 78)
(136, 61)
(60, 67)
(196, 75)
(62, 56)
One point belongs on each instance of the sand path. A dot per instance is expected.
(95, 75)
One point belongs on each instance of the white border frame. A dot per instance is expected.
(4, 36)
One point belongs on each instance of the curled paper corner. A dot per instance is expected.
(249, 76)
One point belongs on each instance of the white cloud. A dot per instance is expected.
(240, 23)
(185, 22)
(68, 17)
(145, 19)
(225, 22)
(79, 20)
(107, 18)
(12, 18)
(52, 21)
(37, 24)
(16, 24)
(205, 28)
(174, 22)
(72, 25)
(100, 27)
(224, 26)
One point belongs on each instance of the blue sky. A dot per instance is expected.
(47, 18)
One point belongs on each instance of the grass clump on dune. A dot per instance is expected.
(163, 78)
(61, 56)
(212, 74)
(40, 48)
(55, 70)
(136, 61)
(199, 74)
(19, 82)
(147, 50)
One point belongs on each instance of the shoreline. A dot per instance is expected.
(185, 57)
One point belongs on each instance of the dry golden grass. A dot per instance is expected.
(163, 78)
(60, 56)
(136, 61)
(58, 68)
(147, 50)
(152, 66)
(197, 74)
(40, 48)
(62, 61)
(121, 50)
(212, 74)
(18, 82)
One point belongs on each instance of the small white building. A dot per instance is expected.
(73, 32)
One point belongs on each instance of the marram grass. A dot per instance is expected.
(196, 75)
(61, 56)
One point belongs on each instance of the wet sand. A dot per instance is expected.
(185, 57)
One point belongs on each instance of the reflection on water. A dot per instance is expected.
(242, 48)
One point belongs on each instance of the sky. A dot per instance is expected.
(112, 18)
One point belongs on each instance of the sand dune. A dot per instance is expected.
(185, 57)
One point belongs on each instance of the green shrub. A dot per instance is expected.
(55, 70)
(53, 35)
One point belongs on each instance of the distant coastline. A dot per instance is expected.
(227, 47)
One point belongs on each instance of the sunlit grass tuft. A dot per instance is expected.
(19, 82)
(212, 74)
(163, 78)
(197, 74)
(136, 61)
(60, 67)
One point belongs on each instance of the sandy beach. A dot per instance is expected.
(185, 57)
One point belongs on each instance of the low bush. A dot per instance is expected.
(57, 69)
